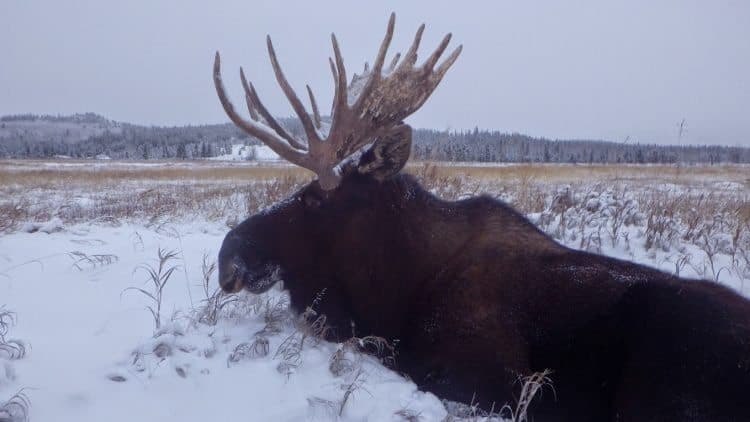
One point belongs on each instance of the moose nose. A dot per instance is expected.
(232, 274)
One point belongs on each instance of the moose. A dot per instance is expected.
(476, 294)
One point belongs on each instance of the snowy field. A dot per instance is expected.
(109, 309)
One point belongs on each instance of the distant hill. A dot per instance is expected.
(65, 129)
(90, 135)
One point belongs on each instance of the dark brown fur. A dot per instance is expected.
(478, 296)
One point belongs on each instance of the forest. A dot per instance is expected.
(90, 135)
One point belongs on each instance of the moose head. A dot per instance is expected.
(356, 157)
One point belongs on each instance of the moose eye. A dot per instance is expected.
(312, 200)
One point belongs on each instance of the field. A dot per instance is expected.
(109, 308)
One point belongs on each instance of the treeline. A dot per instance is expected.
(90, 118)
(147, 143)
(31, 136)
(129, 142)
(494, 146)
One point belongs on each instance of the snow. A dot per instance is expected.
(51, 226)
(264, 153)
(85, 330)
(241, 152)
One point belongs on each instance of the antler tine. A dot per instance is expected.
(411, 56)
(394, 62)
(307, 124)
(446, 64)
(335, 85)
(254, 128)
(252, 99)
(251, 107)
(377, 67)
(437, 76)
(316, 114)
(429, 64)
(340, 72)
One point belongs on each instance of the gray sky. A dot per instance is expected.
(561, 69)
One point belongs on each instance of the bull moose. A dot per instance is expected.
(476, 294)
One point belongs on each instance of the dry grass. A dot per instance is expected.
(409, 415)
(109, 192)
(9, 348)
(215, 299)
(39, 174)
(16, 408)
(19, 174)
(82, 260)
(671, 205)
(564, 173)
(257, 349)
(158, 276)
(310, 328)
(334, 409)
(12, 213)
(79, 192)
(532, 386)
(347, 357)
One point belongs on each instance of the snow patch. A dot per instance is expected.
(52, 226)
(241, 152)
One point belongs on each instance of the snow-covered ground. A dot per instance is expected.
(260, 153)
(93, 351)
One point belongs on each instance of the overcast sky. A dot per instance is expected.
(560, 69)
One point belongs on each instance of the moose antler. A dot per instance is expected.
(373, 104)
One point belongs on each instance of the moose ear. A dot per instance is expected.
(388, 154)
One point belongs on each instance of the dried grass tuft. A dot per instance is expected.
(9, 348)
(310, 328)
(257, 349)
(158, 276)
(82, 260)
(16, 409)
(13, 213)
(215, 299)
(408, 415)
(532, 385)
